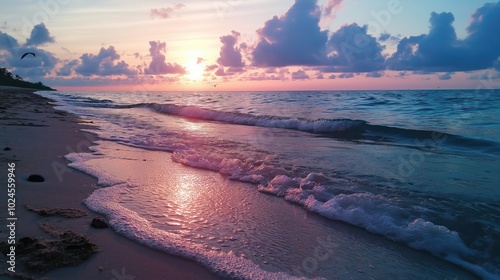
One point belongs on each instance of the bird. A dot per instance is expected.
(24, 55)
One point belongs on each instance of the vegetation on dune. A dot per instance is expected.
(7, 79)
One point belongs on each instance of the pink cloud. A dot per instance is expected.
(331, 7)
(158, 64)
(230, 54)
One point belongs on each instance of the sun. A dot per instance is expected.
(194, 70)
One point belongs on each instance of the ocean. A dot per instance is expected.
(326, 184)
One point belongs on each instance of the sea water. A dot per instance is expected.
(304, 184)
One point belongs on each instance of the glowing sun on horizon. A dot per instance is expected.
(194, 70)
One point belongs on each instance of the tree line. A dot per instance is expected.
(7, 79)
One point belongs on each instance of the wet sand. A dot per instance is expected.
(35, 137)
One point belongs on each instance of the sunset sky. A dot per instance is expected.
(253, 45)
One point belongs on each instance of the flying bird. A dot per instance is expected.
(24, 55)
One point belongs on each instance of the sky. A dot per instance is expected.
(253, 44)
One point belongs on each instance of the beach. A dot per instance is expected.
(36, 137)
(200, 192)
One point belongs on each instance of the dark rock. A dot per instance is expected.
(63, 212)
(28, 244)
(99, 223)
(64, 249)
(36, 178)
(7, 149)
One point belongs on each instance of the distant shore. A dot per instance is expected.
(34, 137)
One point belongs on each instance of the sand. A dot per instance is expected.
(35, 137)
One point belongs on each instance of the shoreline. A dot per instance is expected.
(36, 137)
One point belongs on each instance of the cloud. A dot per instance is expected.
(211, 67)
(294, 38)
(445, 76)
(230, 55)
(330, 7)
(8, 43)
(388, 38)
(300, 75)
(39, 36)
(375, 74)
(487, 75)
(346, 75)
(441, 51)
(484, 35)
(221, 71)
(269, 75)
(41, 65)
(164, 13)
(158, 64)
(351, 49)
(10, 54)
(105, 63)
(68, 68)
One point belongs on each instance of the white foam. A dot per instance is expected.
(235, 169)
(131, 225)
(375, 213)
(77, 161)
(128, 223)
(379, 215)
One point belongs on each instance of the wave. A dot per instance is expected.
(320, 126)
(335, 128)
(376, 213)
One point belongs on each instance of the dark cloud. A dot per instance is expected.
(294, 38)
(230, 54)
(158, 64)
(346, 75)
(441, 51)
(8, 43)
(402, 74)
(39, 36)
(300, 75)
(38, 66)
(384, 37)
(351, 49)
(388, 38)
(164, 13)
(10, 56)
(445, 76)
(374, 74)
(484, 35)
(105, 63)
(68, 68)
